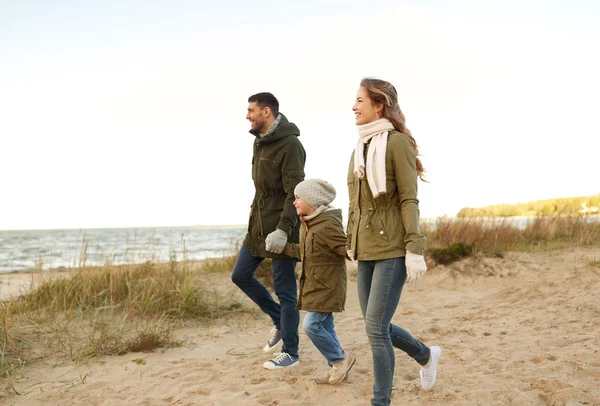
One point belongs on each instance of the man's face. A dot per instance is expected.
(257, 117)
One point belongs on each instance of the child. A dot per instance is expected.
(322, 250)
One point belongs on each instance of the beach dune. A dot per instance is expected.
(518, 330)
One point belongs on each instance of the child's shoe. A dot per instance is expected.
(323, 378)
(340, 370)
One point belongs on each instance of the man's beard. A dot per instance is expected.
(258, 126)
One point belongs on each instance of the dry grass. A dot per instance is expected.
(108, 310)
(494, 236)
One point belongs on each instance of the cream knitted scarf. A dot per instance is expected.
(377, 133)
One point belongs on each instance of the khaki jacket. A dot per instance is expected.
(386, 227)
(277, 167)
(322, 251)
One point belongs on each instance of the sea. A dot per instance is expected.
(60, 249)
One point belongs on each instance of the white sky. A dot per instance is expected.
(132, 113)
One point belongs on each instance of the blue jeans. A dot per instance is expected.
(284, 314)
(379, 286)
(321, 331)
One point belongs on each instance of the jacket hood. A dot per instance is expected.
(285, 129)
(330, 213)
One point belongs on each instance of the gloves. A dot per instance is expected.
(276, 241)
(351, 256)
(415, 266)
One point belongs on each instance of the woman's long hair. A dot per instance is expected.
(384, 93)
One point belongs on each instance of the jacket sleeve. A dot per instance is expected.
(292, 173)
(405, 172)
(350, 197)
(292, 250)
(336, 238)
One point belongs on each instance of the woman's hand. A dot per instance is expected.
(415, 266)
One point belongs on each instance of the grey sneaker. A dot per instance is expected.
(428, 372)
(341, 369)
(275, 342)
(283, 360)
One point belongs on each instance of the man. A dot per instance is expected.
(277, 167)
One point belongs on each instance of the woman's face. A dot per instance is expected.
(364, 109)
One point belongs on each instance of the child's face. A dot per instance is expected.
(303, 208)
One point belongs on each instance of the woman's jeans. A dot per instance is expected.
(379, 286)
(284, 314)
(321, 331)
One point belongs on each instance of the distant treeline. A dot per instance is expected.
(564, 206)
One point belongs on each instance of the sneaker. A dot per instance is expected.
(341, 369)
(283, 360)
(428, 372)
(275, 342)
(323, 379)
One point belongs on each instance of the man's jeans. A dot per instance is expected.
(321, 331)
(379, 286)
(284, 314)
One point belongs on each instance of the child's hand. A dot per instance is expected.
(351, 256)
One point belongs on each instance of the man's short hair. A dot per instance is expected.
(265, 99)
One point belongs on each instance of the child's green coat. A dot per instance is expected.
(322, 251)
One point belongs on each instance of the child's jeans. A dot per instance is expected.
(321, 331)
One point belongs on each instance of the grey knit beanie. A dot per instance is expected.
(315, 192)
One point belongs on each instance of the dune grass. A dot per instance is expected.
(451, 239)
(111, 310)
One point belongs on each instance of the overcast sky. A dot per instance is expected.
(132, 113)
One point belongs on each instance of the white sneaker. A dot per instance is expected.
(428, 372)
(275, 342)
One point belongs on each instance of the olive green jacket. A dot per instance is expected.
(277, 167)
(322, 250)
(388, 226)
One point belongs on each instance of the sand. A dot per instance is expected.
(518, 330)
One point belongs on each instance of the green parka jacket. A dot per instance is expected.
(277, 167)
(386, 227)
(322, 251)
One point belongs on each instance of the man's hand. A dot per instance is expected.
(276, 241)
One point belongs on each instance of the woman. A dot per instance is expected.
(383, 230)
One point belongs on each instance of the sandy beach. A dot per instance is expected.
(518, 330)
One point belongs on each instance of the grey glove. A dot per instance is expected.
(276, 241)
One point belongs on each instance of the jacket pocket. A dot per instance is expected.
(323, 276)
(270, 214)
(374, 236)
(381, 231)
(268, 172)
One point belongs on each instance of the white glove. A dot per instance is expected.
(276, 241)
(415, 266)
(351, 256)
